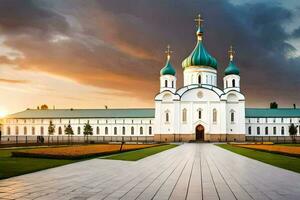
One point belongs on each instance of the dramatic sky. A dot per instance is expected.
(91, 53)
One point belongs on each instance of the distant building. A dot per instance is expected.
(199, 110)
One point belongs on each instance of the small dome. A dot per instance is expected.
(168, 69)
(199, 56)
(232, 69)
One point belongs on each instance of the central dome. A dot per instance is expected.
(199, 56)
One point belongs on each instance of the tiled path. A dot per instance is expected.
(190, 171)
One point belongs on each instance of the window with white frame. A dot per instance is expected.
(167, 116)
(123, 130)
(215, 115)
(199, 113)
(184, 115)
(232, 117)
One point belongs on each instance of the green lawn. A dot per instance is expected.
(139, 154)
(13, 166)
(291, 145)
(285, 162)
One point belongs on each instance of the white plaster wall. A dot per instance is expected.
(208, 75)
(110, 123)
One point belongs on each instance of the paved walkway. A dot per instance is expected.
(190, 171)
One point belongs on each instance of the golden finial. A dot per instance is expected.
(168, 52)
(231, 53)
(198, 20)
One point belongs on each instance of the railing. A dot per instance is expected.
(56, 140)
(275, 139)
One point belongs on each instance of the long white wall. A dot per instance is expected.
(107, 127)
(257, 126)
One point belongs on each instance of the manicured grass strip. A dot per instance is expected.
(12, 166)
(290, 145)
(285, 162)
(139, 154)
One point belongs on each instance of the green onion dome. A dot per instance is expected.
(168, 69)
(199, 56)
(232, 69)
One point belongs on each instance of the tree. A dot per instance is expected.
(273, 105)
(87, 130)
(51, 129)
(69, 131)
(44, 107)
(293, 131)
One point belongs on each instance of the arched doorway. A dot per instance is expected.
(200, 133)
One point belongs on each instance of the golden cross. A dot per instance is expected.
(199, 20)
(168, 52)
(231, 53)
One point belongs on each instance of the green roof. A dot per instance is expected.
(85, 113)
(168, 69)
(232, 69)
(138, 113)
(199, 56)
(275, 113)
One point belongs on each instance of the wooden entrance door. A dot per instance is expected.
(200, 133)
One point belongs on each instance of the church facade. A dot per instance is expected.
(200, 110)
(197, 111)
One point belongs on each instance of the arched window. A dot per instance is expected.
(167, 117)
(150, 130)
(184, 115)
(266, 131)
(115, 131)
(258, 130)
(232, 117)
(233, 83)
(123, 130)
(98, 130)
(214, 115)
(33, 130)
(8, 130)
(199, 79)
(249, 130)
(17, 130)
(166, 83)
(274, 130)
(199, 113)
(282, 130)
(172, 84)
(78, 130)
(132, 130)
(59, 130)
(106, 130)
(42, 130)
(25, 130)
(141, 130)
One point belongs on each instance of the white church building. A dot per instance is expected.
(197, 111)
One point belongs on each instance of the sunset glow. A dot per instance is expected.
(110, 53)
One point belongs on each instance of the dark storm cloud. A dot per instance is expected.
(16, 15)
(119, 44)
(296, 33)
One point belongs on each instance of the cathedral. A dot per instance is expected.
(197, 111)
(200, 110)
